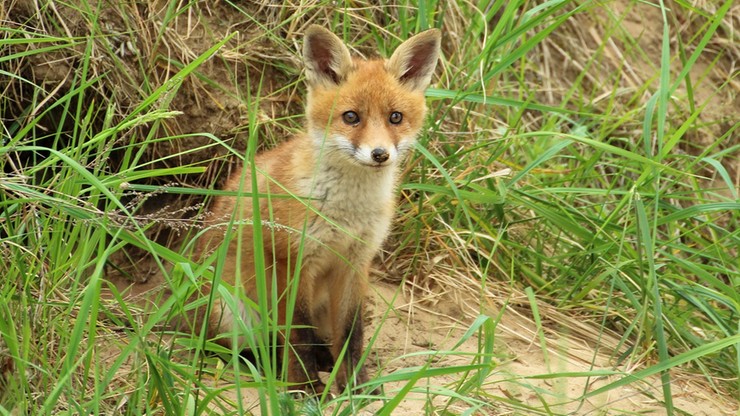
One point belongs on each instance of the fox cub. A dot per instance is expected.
(326, 201)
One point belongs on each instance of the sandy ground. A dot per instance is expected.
(412, 334)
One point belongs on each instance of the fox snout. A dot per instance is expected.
(380, 154)
(377, 155)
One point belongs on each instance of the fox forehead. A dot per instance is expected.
(370, 90)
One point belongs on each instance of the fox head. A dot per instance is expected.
(366, 112)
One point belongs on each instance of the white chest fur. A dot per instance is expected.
(354, 205)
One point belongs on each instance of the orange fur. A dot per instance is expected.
(331, 194)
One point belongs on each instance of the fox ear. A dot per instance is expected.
(326, 57)
(414, 61)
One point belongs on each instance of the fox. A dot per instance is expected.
(326, 203)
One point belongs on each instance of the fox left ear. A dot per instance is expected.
(327, 58)
(414, 61)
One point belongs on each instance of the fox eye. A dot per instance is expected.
(350, 117)
(395, 117)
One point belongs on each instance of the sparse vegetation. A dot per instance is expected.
(575, 198)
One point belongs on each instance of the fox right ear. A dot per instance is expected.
(414, 61)
(326, 57)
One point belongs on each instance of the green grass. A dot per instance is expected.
(617, 211)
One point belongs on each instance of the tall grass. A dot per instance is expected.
(582, 189)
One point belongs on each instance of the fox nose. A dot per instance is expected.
(379, 154)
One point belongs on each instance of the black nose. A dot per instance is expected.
(380, 155)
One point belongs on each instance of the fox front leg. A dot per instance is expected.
(351, 355)
(303, 365)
